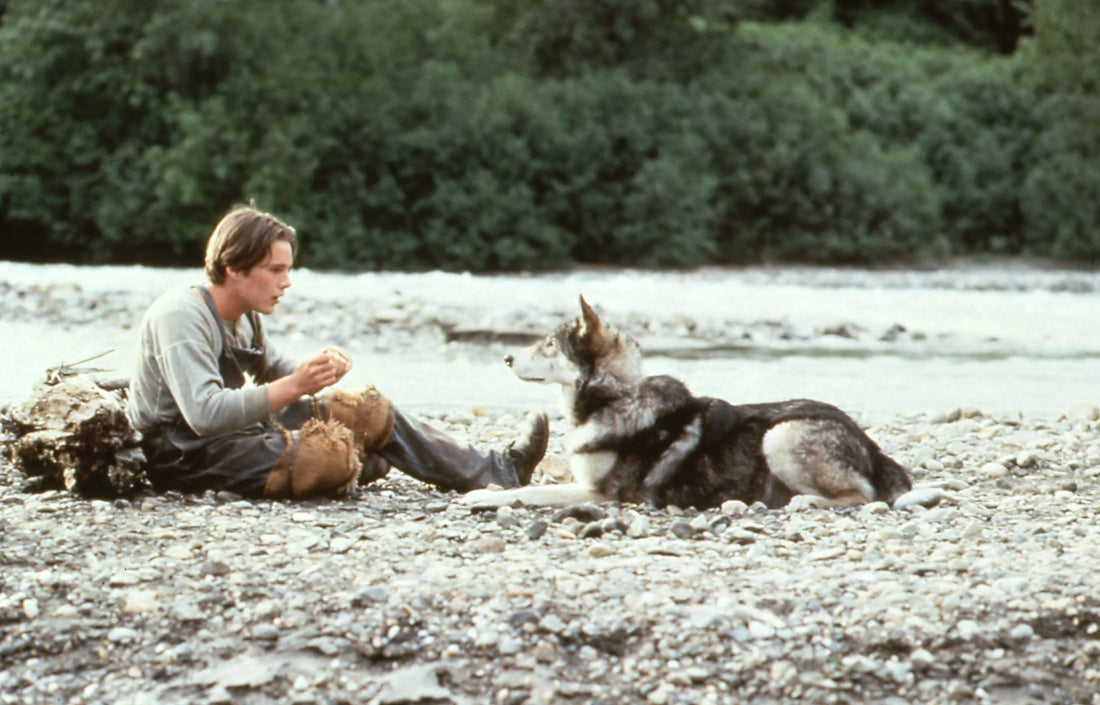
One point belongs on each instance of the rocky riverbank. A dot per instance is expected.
(400, 596)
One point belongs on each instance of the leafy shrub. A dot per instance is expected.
(796, 182)
(410, 134)
(1062, 193)
(60, 125)
(964, 120)
(980, 144)
(1062, 203)
(669, 210)
(653, 40)
(995, 25)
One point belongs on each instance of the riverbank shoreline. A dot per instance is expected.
(988, 392)
(398, 595)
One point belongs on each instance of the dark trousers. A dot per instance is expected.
(432, 456)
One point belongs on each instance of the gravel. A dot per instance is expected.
(397, 595)
(982, 590)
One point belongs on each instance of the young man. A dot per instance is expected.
(283, 436)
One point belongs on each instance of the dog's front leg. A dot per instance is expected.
(556, 496)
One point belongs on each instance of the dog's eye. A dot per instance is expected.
(551, 343)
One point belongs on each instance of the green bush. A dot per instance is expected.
(444, 176)
(959, 124)
(796, 182)
(609, 127)
(980, 144)
(1062, 203)
(669, 210)
(993, 25)
(485, 135)
(1062, 192)
(61, 125)
(651, 40)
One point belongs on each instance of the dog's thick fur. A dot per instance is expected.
(648, 439)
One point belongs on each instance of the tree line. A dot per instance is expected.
(496, 135)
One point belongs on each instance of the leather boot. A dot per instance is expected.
(375, 467)
(528, 451)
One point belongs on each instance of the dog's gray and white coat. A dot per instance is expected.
(648, 439)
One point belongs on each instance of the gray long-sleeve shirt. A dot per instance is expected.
(177, 375)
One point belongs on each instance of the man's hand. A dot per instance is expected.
(340, 359)
(320, 371)
(315, 374)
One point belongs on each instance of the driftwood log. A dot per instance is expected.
(73, 434)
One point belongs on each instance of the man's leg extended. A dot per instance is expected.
(432, 456)
(386, 436)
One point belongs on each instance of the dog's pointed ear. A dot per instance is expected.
(590, 321)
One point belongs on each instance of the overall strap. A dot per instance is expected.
(229, 364)
(257, 330)
(217, 318)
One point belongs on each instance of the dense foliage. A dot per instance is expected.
(1061, 198)
(496, 135)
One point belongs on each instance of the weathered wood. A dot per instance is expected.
(73, 434)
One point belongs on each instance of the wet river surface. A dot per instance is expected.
(1003, 339)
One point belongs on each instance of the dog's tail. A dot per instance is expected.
(890, 478)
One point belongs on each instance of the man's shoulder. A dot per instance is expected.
(178, 296)
(178, 303)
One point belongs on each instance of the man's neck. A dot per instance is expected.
(230, 307)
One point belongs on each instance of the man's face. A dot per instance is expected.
(263, 285)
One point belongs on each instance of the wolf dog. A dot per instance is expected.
(640, 439)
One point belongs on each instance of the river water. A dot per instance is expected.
(1005, 339)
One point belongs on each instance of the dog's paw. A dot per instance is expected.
(802, 502)
(483, 499)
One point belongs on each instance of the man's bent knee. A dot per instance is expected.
(321, 459)
(369, 415)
